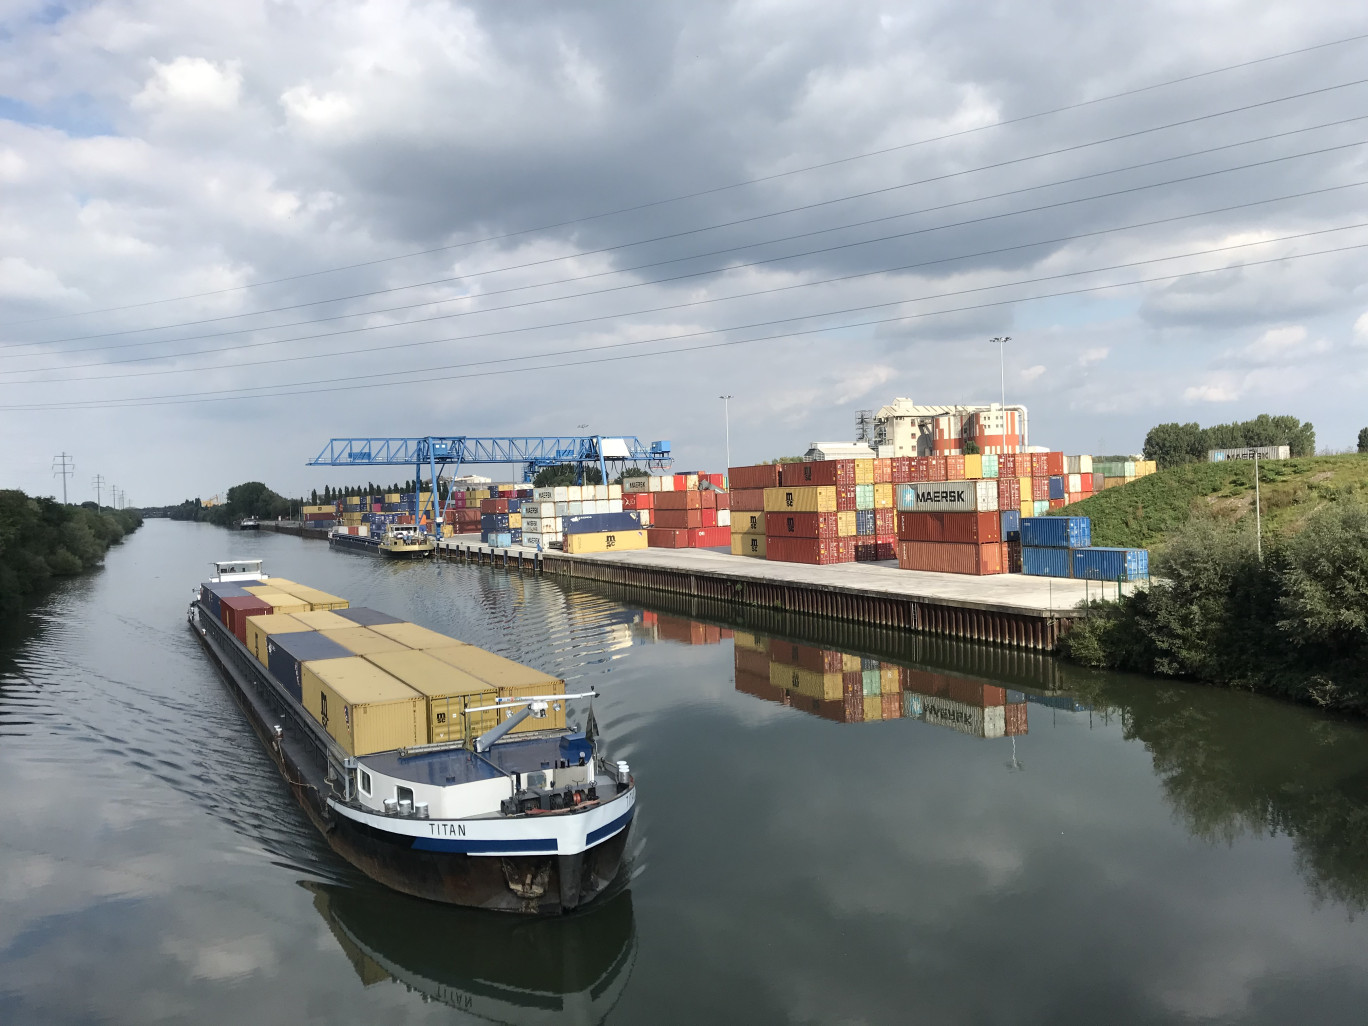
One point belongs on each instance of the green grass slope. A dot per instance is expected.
(1143, 512)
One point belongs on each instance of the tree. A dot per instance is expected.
(565, 474)
(1363, 440)
(1171, 445)
(630, 472)
(971, 447)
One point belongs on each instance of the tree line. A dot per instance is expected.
(1171, 445)
(42, 539)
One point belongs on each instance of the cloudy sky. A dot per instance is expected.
(229, 232)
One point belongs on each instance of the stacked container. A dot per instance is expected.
(1047, 544)
(685, 511)
(950, 527)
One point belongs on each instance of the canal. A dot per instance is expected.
(836, 825)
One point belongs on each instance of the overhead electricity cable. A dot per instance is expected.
(64, 376)
(960, 133)
(373, 380)
(731, 249)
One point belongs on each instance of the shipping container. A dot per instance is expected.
(1056, 532)
(864, 471)
(751, 500)
(801, 500)
(279, 601)
(497, 671)
(950, 557)
(678, 519)
(812, 683)
(363, 641)
(1009, 492)
(966, 528)
(966, 719)
(817, 472)
(1110, 564)
(447, 691)
(362, 707)
(948, 497)
(763, 476)
(411, 635)
(259, 628)
(748, 544)
(1055, 488)
(747, 523)
(990, 465)
(803, 525)
(285, 654)
(864, 522)
(607, 541)
(1045, 562)
(810, 657)
(235, 611)
(815, 551)
(973, 466)
(1010, 524)
(864, 497)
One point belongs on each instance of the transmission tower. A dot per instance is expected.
(63, 465)
(98, 483)
(863, 420)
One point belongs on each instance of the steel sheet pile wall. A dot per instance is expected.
(848, 688)
(682, 511)
(375, 682)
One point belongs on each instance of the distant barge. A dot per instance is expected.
(374, 726)
(394, 544)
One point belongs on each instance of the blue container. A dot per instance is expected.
(1110, 564)
(1042, 562)
(864, 520)
(1011, 525)
(213, 594)
(366, 617)
(1056, 533)
(1056, 488)
(515, 505)
(912, 705)
(499, 539)
(600, 523)
(493, 522)
(286, 654)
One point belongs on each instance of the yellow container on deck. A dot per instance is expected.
(259, 628)
(447, 691)
(806, 499)
(323, 620)
(363, 641)
(607, 541)
(279, 601)
(362, 707)
(410, 635)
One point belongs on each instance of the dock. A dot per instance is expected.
(1006, 609)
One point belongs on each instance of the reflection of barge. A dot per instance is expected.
(532, 822)
(494, 968)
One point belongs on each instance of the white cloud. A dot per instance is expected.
(1211, 393)
(1095, 355)
(1361, 330)
(191, 82)
(1031, 373)
(321, 111)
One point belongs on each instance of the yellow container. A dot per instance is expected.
(351, 519)
(392, 497)
(314, 597)
(845, 523)
(808, 499)
(851, 663)
(555, 711)
(363, 641)
(883, 496)
(864, 472)
(410, 635)
(873, 708)
(747, 523)
(607, 541)
(278, 584)
(324, 620)
(748, 545)
(1143, 468)
(496, 670)
(806, 682)
(447, 691)
(973, 466)
(1115, 482)
(279, 601)
(259, 628)
(514, 521)
(749, 642)
(1027, 508)
(362, 707)
(889, 679)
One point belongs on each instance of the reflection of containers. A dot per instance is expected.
(1014, 719)
(965, 719)
(806, 682)
(911, 705)
(809, 657)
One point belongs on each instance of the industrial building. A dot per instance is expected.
(903, 428)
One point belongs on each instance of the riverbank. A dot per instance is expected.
(42, 540)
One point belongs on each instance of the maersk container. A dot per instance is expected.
(1011, 524)
(948, 497)
(1110, 564)
(1056, 532)
(1057, 487)
(1045, 562)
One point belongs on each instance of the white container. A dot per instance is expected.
(951, 497)
(724, 518)
(964, 718)
(690, 482)
(644, 515)
(1073, 483)
(562, 508)
(574, 493)
(663, 484)
(574, 508)
(615, 492)
(614, 506)
(1077, 465)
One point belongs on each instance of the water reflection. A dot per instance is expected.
(493, 968)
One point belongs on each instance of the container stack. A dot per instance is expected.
(555, 512)
(1048, 543)
(685, 511)
(748, 484)
(501, 522)
(1115, 473)
(963, 705)
(660, 627)
(951, 527)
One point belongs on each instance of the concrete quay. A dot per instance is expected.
(1008, 609)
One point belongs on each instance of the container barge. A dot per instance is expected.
(393, 544)
(435, 767)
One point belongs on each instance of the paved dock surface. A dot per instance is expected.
(1008, 593)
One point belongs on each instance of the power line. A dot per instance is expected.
(97, 483)
(696, 231)
(724, 188)
(63, 466)
(372, 380)
(828, 249)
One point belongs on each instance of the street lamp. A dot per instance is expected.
(1002, 341)
(726, 416)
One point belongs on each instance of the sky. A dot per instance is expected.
(231, 232)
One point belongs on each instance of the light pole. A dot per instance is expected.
(1002, 341)
(726, 417)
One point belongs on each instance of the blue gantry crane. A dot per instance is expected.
(442, 453)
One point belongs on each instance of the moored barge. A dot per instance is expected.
(435, 767)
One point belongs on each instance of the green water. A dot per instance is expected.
(1136, 852)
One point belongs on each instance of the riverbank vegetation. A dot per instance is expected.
(42, 539)
(250, 499)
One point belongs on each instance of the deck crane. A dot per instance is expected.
(451, 452)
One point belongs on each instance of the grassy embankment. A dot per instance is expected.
(42, 539)
(1292, 623)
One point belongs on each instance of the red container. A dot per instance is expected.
(1058, 503)
(887, 546)
(818, 472)
(883, 471)
(801, 525)
(815, 551)
(751, 499)
(954, 468)
(975, 693)
(1054, 463)
(1015, 715)
(766, 476)
(1007, 465)
(809, 657)
(748, 661)
(711, 538)
(1040, 487)
(234, 613)
(852, 683)
(718, 481)
(963, 528)
(891, 706)
(678, 500)
(723, 499)
(885, 522)
(845, 498)
(758, 685)
(902, 470)
(493, 505)
(1009, 493)
(707, 500)
(935, 468)
(866, 549)
(853, 707)
(686, 632)
(667, 538)
(950, 557)
(679, 519)
(709, 517)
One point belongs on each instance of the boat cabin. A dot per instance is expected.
(237, 570)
